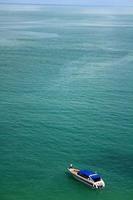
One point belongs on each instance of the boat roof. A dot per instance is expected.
(95, 177)
(89, 173)
(86, 172)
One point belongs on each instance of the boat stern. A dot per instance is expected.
(99, 185)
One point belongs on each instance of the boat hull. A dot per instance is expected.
(83, 181)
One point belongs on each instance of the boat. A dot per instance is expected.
(88, 177)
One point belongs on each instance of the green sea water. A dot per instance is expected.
(66, 96)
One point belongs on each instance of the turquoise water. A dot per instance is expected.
(66, 96)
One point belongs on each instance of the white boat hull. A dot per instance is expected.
(85, 182)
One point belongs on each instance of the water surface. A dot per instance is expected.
(66, 93)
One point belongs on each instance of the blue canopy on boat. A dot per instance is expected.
(95, 177)
(85, 173)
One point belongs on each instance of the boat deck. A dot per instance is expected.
(74, 171)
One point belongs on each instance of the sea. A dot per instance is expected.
(66, 96)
